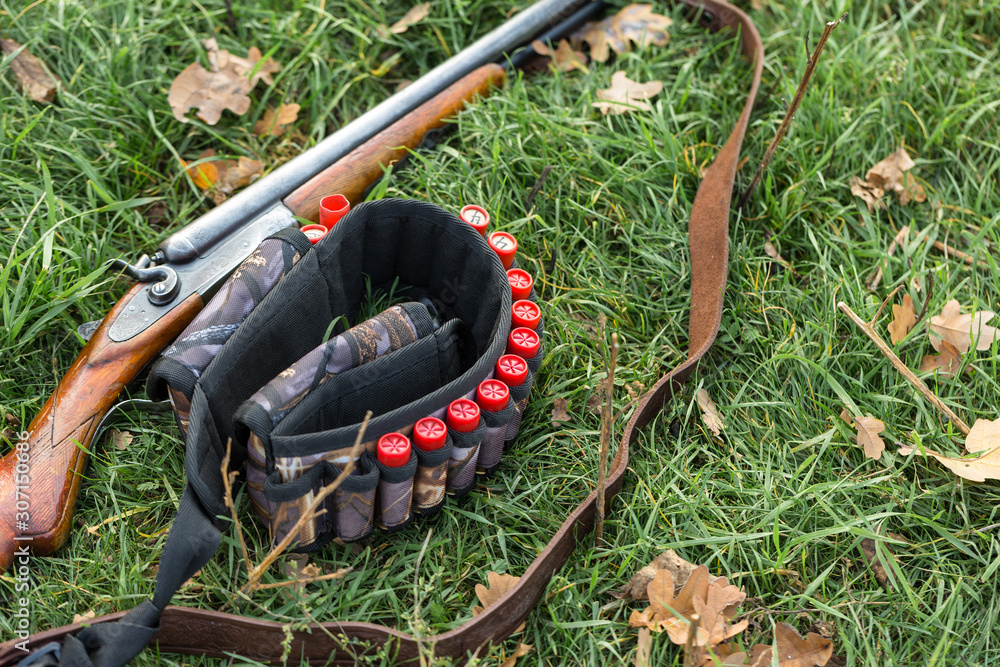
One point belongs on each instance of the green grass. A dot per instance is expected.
(779, 503)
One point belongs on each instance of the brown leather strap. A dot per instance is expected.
(196, 631)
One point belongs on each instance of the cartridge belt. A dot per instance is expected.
(114, 639)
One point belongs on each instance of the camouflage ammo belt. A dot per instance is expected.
(113, 640)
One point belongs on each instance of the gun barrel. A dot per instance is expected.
(199, 237)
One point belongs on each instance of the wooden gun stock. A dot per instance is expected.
(104, 367)
(353, 174)
(59, 436)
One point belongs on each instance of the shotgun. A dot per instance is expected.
(40, 477)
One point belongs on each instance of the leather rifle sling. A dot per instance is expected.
(198, 631)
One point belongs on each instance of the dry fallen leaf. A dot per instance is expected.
(224, 87)
(12, 420)
(872, 195)
(634, 389)
(875, 561)
(714, 601)
(668, 560)
(984, 436)
(889, 174)
(710, 414)
(412, 17)
(205, 174)
(635, 23)
(85, 616)
(564, 57)
(121, 439)
(643, 648)
(223, 177)
(519, 652)
(595, 403)
(274, 123)
(624, 95)
(958, 329)
(948, 362)
(903, 319)
(847, 417)
(235, 175)
(868, 430)
(35, 78)
(499, 584)
(560, 410)
(772, 252)
(794, 650)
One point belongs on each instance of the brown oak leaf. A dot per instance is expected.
(560, 410)
(903, 318)
(870, 194)
(121, 439)
(793, 649)
(224, 87)
(499, 585)
(874, 560)
(709, 413)
(634, 23)
(961, 329)
(274, 123)
(565, 58)
(714, 601)
(624, 95)
(948, 362)
(890, 174)
(668, 560)
(868, 430)
(519, 652)
(35, 78)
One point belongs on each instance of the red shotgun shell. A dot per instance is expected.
(314, 232)
(477, 216)
(394, 450)
(512, 370)
(462, 415)
(505, 246)
(429, 434)
(523, 342)
(492, 395)
(520, 283)
(332, 209)
(525, 313)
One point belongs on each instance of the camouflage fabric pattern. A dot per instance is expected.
(515, 420)
(492, 448)
(286, 515)
(182, 408)
(388, 331)
(201, 341)
(353, 512)
(462, 468)
(394, 502)
(429, 485)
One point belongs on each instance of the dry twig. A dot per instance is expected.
(606, 424)
(790, 113)
(901, 367)
(227, 481)
(691, 654)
